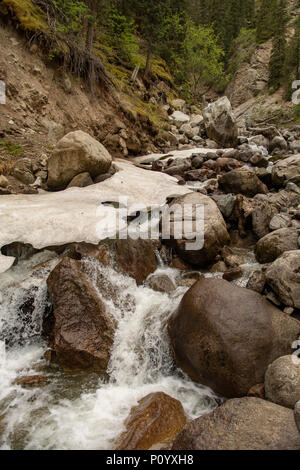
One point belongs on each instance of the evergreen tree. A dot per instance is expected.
(276, 66)
(292, 62)
(266, 22)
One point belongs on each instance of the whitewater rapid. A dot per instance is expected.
(79, 411)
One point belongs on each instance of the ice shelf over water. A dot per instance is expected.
(75, 215)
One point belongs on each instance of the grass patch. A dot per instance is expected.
(11, 148)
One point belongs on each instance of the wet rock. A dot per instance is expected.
(32, 381)
(242, 424)
(83, 329)
(215, 232)
(273, 245)
(81, 181)
(282, 381)
(136, 258)
(297, 415)
(224, 336)
(85, 250)
(257, 282)
(257, 391)
(285, 169)
(242, 181)
(233, 274)
(220, 123)
(283, 276)
(162, 283)
(77, 152)
(153, 424)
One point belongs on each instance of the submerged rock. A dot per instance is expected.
(224, 336)
(161, 283)
(77, 152)
(242, 424)
(282, 381)
(153, 423)
(32, 381)
(83, 329)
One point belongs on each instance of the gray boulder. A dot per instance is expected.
(241, 424)
(220, 123)
(283, 276)
(77, 152)
(282, 381)
(273, 245)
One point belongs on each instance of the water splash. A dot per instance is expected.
(79, 411)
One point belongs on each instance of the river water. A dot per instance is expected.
(79, 411)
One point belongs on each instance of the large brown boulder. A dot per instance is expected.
(136, 258)
(83, 330)
(76, 153)
(273, 245)
(220, 123)
(225, 336)
(213, 228)
(242, 181)
(282, 381)
(286, 169)
(242, 424)
(153, 423)
(283, 276)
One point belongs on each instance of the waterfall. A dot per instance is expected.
(79, 410)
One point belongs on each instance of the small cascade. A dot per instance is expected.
(79, 410)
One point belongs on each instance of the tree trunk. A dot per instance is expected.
(148, 62)
(90, 26)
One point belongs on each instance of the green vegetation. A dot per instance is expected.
(277, 61)
(30, 16)
(13, 149)
(197, 45)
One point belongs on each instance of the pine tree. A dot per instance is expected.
(276, 66)
(266, 20)
(292, 62)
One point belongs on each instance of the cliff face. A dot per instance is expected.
(252, 65)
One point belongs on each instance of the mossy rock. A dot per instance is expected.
(30, 16)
